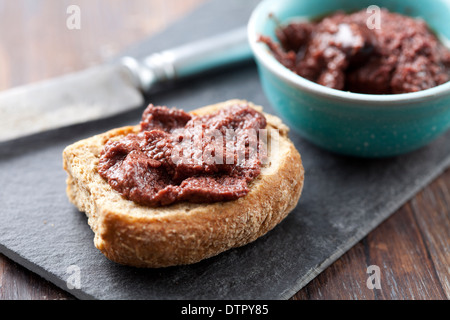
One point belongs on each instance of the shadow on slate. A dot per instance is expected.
(344, 198)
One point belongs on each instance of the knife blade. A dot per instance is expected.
(111, 88)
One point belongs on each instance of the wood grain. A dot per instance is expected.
(411, 248)
(36, 44)
(17, 283)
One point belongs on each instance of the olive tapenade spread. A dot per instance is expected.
(178, 157)
(342, 52)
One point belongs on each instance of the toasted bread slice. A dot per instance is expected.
(182, 233)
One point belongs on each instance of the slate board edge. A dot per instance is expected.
(340, 251)
(301, 281)
(33, 267)
(288, 293)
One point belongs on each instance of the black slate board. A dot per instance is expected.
(343, 200)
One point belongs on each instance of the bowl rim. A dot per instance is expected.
(263, 55)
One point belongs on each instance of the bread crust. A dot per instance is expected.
(183, 233)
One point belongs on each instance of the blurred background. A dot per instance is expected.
(35, 42)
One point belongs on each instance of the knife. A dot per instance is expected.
(111, 88)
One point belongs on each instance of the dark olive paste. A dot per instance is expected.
(340, 51)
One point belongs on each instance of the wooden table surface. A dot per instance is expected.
(412, 248)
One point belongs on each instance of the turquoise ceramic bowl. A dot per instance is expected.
(353, 124)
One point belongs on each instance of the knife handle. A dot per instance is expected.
(190, 59)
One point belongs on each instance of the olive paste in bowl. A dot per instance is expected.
(361, 78)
